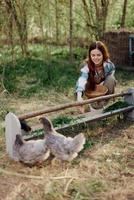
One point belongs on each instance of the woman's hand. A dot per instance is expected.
(79, 96)
(81, 109)
(80, 99)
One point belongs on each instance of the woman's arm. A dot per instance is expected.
(109, 68)
(80, 85)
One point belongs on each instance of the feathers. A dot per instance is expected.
(36, 151)
(77, 143)
(47, 125)
(30, 152)
(25, 128)
(19, 140)
(63, 148)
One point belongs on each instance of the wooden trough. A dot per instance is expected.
(12, 122)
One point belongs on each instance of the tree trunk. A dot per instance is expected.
(10, 32)
(88, 15)
(104, 5)
(71, 31)
(57, 21)
(124, 14)
(21, 22)
(101, 9)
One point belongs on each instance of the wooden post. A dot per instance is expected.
(13, 127)
(130, 100)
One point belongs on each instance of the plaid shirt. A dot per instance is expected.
(109, 69)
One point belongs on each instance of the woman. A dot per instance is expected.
(98, 70)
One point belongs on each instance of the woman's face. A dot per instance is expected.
(96, 57)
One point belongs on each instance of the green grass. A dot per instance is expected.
(115, 106)
(62, 120)
(27, 76)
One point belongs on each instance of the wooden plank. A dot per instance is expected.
(95, 117)
(73, 104)
(84, 119)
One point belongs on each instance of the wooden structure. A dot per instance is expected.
(131, 49)
(121, 46)
(128, 96)
(13, 127)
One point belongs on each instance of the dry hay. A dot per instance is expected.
(103, 172)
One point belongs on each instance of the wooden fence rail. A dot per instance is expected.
(73, 104)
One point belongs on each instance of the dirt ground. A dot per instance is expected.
(103, 172)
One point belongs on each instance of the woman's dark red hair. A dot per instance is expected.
(101, 47)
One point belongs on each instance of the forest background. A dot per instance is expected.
(46, 40)
(42, 47)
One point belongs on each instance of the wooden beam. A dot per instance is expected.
(73, 104)
(84, 119)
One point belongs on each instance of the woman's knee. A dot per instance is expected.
(110, 83)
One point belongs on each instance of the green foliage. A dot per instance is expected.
(115, 14)
(78, 53)
(88, 144)
(130, 14)
(115, 106)
(41, 27)
(123, 77)
(62, 120)
(38, 133)
(28, 76)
